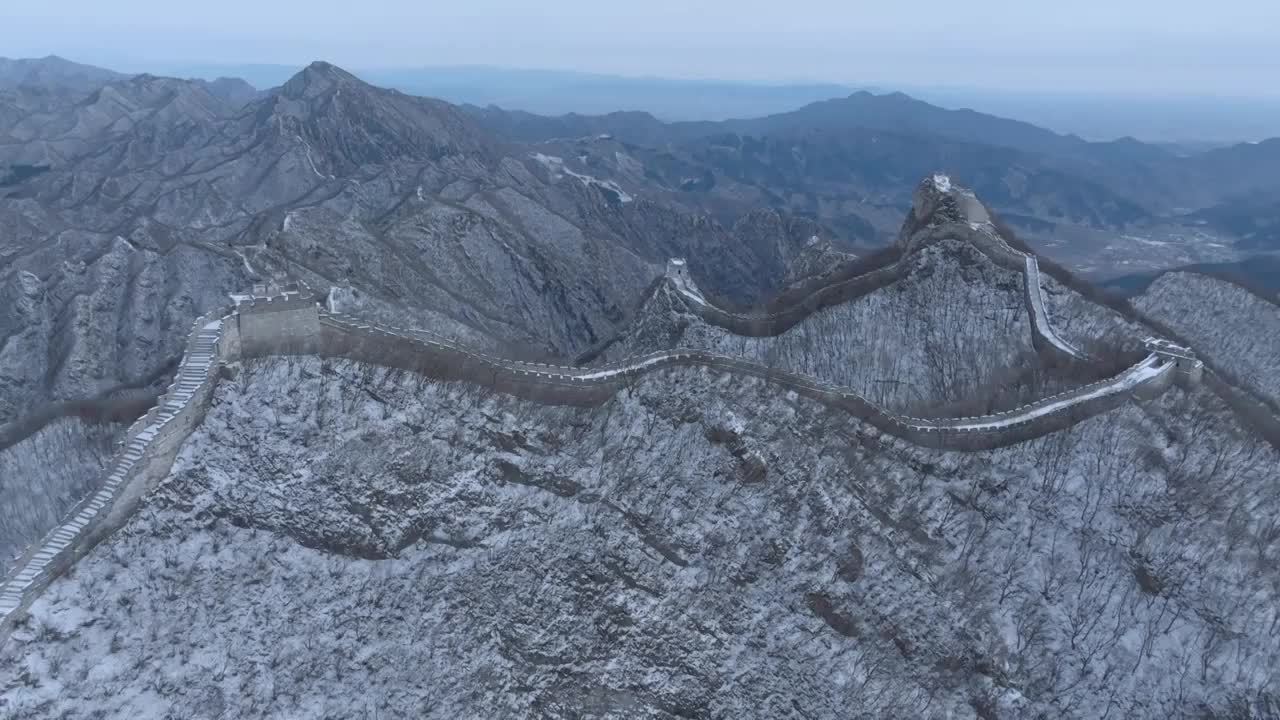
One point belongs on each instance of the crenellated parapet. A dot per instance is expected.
(276, 315)
(294, 323)
(1046, 338)
(567, 385)
(144, 457)
(1190, 369)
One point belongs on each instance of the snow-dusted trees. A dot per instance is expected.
(953, 327)
(45, 475)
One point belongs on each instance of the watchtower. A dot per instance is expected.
(678, 274)
(678, 270)
(278, 286)
(1190, 369)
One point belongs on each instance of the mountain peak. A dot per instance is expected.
(321, 67)
(317, 78)
(53, 71)
(347, 123)
(940, 201)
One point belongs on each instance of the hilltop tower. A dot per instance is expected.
(278, 286)
(678, 274)
(1190, 369)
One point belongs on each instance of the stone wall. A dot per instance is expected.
(145, 457)
(549, 384)
(1052, 346)
(1255, 414)
(293, 326)
(779, 322)
(1045, 338)
(286, 324)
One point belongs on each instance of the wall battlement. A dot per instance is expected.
(144, 457)
(982, 236)
(297, 326)
(1190, 369)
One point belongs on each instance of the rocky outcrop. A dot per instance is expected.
(26, 324)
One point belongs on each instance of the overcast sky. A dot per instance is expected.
(1229, 47)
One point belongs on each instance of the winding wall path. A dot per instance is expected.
(982, 236)
(440, 358)
(161, 431)
(296, 325)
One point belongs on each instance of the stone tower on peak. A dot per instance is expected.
(678, 275)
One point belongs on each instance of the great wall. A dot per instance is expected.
(957, 215)
(275, 321)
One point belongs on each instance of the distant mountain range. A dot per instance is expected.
(843, 161)
(132, 208)
(54, 73)
(554, 92)
(506, 228)
(1182, 122)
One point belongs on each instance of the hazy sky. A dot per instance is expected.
(1227, 47)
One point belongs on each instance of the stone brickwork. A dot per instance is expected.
(144, 458)
(279, 325)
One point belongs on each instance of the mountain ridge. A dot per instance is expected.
(686, 491)
(846, 161)
(178, 196)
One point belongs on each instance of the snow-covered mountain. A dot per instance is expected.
(336, 538)
(135, 208)
(340, 538)
(1237, 329)
(944, 328)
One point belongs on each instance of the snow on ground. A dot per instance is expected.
(1226, 324)
(558, 169)
(1144, 372)
(339, 540)
(956, 328)
(1093, 328)
(45, 475)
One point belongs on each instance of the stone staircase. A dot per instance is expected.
(151, 440)
(38, 562)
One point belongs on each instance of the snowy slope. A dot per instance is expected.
(45, 475)
(954, 329)
(1087, 324)
(1230, 326)
(338, 540)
